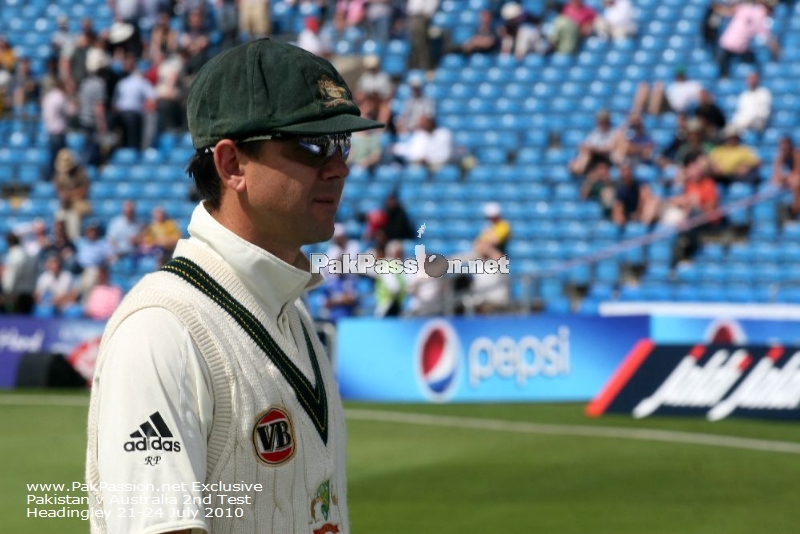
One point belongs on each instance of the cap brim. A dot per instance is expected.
(332, 125)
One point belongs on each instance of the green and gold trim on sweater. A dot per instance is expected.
(312, 398)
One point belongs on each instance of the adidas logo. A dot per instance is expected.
(152, 435)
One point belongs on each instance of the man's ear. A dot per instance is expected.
(229, 164)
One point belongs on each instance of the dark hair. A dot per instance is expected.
(204, 172)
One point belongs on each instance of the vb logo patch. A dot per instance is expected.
(273, 437)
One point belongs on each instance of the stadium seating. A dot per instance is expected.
(522, 120)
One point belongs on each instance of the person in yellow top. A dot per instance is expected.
(734, 162)
(493, 240)
(161, 235)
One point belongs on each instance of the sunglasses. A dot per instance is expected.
(314, 151)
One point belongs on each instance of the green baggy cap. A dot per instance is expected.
(265, 87)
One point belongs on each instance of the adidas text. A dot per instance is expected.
(155, 444)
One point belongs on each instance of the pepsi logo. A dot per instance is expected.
(438, 356)
(273, 437)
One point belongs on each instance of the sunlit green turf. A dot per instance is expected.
(427, 479)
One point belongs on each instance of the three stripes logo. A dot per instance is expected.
(153, 434)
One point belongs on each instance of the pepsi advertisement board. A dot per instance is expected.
(510, 359)
(688, 330)
(711, 381)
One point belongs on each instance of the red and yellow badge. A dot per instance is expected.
(273, 437)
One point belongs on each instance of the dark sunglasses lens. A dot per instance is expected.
(324, 148)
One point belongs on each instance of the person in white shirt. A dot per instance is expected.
(56, 110)
(134, 96)
(754, 106)
(680, 96)
(429, 145)
(211, 388)
(618, 20)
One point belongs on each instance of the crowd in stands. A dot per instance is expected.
(125, 85)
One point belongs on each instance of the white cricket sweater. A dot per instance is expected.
(304, 482)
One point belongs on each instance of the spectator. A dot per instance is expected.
(71, 182)
(50, 77)
(390, 288)
(424, 294)
(634, 200)
(341, 297)
(700, 193)
(227, 16)
(749, 19)
(310, 39)
(341, 244)
(255, 18)
(169, 92)
(618, 20)
(379, 20)
(92, 101)
(61, 39)
(419, 14)
(598, 146)
(599, 188)
(63, 247)
(161, 235)
(415, 108)
(493, 240)
(124, 232)
(124, 38)
(636, 145)
(103, 297)
(710, 115)
(367, 151)
(18, 278)
(680, 96)
(489, 293)
(754, 107)
(92, 252)
(733, 161)
(56, 110)
(429, 145)
(73, 58)
(786, 173)
(195, 42)
(374, 90)
(34, 239)
(8, 58)
(26, 86)
(520, 34)
(134, 97)
(5, 90)
(333, 30)
(374, 224)
(54, 287)
(695, 146)
(667, 156)
(575, 23)
(485, 39)
(699, 197)
(398, 225)
(163, 37)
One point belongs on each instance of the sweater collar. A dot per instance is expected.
(272, 282)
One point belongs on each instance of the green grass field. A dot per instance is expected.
(450, 474)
